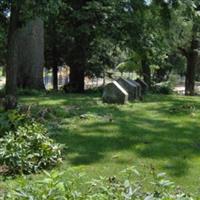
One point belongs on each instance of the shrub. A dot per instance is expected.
(53, 187)
(10, 120)
(28, 149)
(163, 88)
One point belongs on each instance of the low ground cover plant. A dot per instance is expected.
(124, 188)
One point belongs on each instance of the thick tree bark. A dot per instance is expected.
(190, 77)
(77, 78)
(55, 78)
(79, 54)
(30, 46)
(192, 60)
(10, 101)
(11, 68)
(55, 56)
(53, 52)
(25, 53)
(146, 72)
(77, 66)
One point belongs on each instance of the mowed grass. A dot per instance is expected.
(161, 133)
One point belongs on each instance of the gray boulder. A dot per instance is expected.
(115, 93)
(129, 87)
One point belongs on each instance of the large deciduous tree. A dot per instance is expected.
(83, 17)
(192, 50)
(11, 68)
(143, 33)
(21, 12)
(184, 35)
(73, 36)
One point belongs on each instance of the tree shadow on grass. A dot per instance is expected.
(166, 139)
(160, 98)
(151, 132)
(177, 166)
(90, 148)
(156, 139)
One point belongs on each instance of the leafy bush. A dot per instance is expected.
(28, 149)
(10, 120)
(53, 187)
(163, 88)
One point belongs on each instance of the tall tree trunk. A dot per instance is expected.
(11, 68)
(55, 77)
(192, 60)
(53, 53)
(190, 77)
(30, 44)
(55, 56)
(77, 69)
(146, 72)
(78, 55)
(77, 78)
(77, 66)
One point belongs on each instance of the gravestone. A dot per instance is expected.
(129, 87)
(143, 84)
(139, 88)
(115, 93)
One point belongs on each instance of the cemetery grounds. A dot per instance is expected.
(159, 134)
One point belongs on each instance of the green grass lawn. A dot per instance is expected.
(161, 133)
